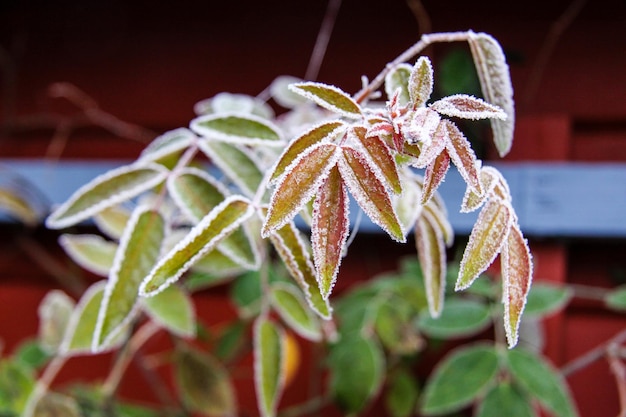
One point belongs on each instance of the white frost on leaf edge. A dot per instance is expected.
(464, 108)
(69, 242)
(166, 144)
(325, 104)
(177, 196)
(314, 334)
(213, 134)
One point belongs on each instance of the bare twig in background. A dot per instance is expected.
(592, 355)
(323, 37)
(421, 15)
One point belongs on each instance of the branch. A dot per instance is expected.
(323, 37)
(592, 355)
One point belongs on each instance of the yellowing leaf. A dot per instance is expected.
(138, 251)
(173, 309)
(380, 156)
(439, 220)
(204, 237)
(92, 252)
(269, 365)
(434, 175)
(467, 107)
(397, 81)
(328, 97)
(317, 134)
(495, 81)
(112, 221)
(431, 252)
(329, 230)
(302, 179)
(369, 191)
(54, 314)
(517, 271)
(421, 82)
(17, 206)
(238, 128)
(462, 155)
(107, 190)
(293, 309)
(486, 239)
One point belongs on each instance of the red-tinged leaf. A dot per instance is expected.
(485, 242)
(397, 82)
(495, 81)
(439, 219)
(330, 230)
(462, 155)
(380, 155)
(434, 175)
(472, 200)
(431, 150)
(269, 365)
(467, 107)
(517, 271)
(303, 177)
(421, 82)
(292, 249)
(431, 252)
(329, 97)
(317, 134)
(370, 192)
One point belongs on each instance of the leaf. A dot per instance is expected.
(302, 179)
(495, 81)
(354, 382)
(460, 318)
(212, 268)
(472, 200)
(237, 128)
(231, 340)
(167, 144)
(53, 404)
(328, 97)
(545, 298)
(330, 229)
(517, 274)
(282, 94)
(434, 144)
(173, 309)
(203, 383)
(542, 381)
(291, 247)
(394, 326)
(104, 191)
(237, 163)
(318, 134)
(505, 400)
(467, 107)
(54, 313)
(31, 354)
(439, 219)
(293, 309)
(614, 299)
(407, 205)
(431, 252)
(112, 221)
(138, 251)
(369, 191)
(397, 80)
(246, 294)
(269, 365)
(434, 176)
(92, 252)
(18, 206)
(203, 238)
(421, 82)
(380, 156)
(461, 377)
(423, 122)
(402, 394)
(462, 155)
(16, 384)
(486, 239)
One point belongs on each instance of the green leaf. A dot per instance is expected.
(542, 381)
(460, 378)
(291, 306)
(138, 251)
(173, 309)
(203, 238)
(238, 128)
(505, 400)
(394, 326)
(614, 299)
(459, 318)
(357, 371)
(16, 383)
(106, 190)
(54, 315)
(167, 144)
(421, 82)
(269, 359)
(31, 354)
(495, 81)
(402, 394)
(203, 383)
(329, 97)
(431, 252)
(231, 340)
(397, 80)
(91, 252)
(112, 221)
(246, 294)
(212, 269)
(486, 239)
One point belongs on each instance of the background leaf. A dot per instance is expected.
(402, 394)
(545, 298)
(505, 400)
(240, 128)
(92, 252)
(54, 314)
(269, 364)
(173, 309)
(398, 80)
(615, 299)
(293, 309)
(459, 318)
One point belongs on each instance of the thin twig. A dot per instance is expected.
(588, 292)
(619, 371)
(421, 15)
(43, 384)
(592, 355)
(323, 37)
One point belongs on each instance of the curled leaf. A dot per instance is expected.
(329, 97)
(238, 128)
(421, 82)
(467, 107)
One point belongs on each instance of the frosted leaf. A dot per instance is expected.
(238, 128)
(329, 230)
(430, 151)
(195, 192)
(302, 178)
(232, 103)
(292, 249)
(91, 252)
(471, 200)
(269, 364)
(54, 313)
(280, 92)
(173, 310)
(112, 221)
(517, 271)
(485, 242)
(167, 144)
(462, 155)
(397, 81)
(114, 187)
(368, 189)
(431, 252)
(379, 156)
(467, 107)
(17, 205)
(434, 175)
(324, 132)
(495, 81)
(421, 82)
(439, 220)
(407, 204)
(292, 308)
(329, 97)
(421, 126)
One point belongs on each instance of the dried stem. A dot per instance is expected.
(592, 355)
(421, 15)
(323, 37)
